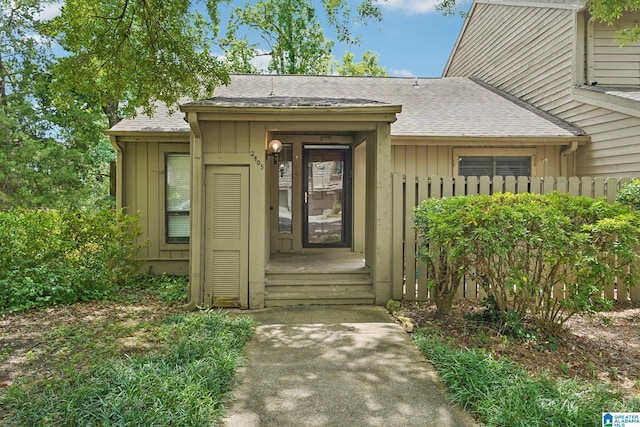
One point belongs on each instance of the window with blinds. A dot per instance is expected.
(178, 197)
(494, 166)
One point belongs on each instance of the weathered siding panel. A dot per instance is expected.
(614, 150)
(144, 180)
(430, 160)
(226, 137)
(525, 51)
(612, 64)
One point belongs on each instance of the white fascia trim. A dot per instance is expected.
(570, 6)
(607, 101)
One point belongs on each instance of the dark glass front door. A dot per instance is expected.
(327, 196)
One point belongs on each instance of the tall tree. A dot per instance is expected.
(51, 154)
(128, 54)
(293, 36)
(290, 34)
(367, 67)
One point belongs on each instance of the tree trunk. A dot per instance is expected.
(111, 111)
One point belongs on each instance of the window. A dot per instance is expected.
(494, 166)
(285, 189)
(178, 197)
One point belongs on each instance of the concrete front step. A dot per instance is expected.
(318, 290)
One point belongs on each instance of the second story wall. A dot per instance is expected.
(608, 63)
(525, 51)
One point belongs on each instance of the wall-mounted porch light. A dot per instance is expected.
(273, 149)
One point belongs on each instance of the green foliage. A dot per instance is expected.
(545, 258)
(440, 224)
(609, 11)
(294, 37)
(52, 257)
(501, 393)
(629, 194)
(368, 67)
(126, 54)
(184, 384)
(290, 33)
(52, 152)
(170, 289)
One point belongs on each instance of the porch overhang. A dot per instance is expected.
(293, 109)
(233, 132)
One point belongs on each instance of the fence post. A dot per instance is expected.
(409, 239)
(398, 238)
(423, 192)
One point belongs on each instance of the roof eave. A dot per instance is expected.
(152, 133)
(301, 110)
(511, 140)
(577, 6)
(609, 101)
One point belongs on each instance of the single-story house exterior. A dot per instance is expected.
(312, 224)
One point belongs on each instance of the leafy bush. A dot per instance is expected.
(50, 257)
(170, 289)
(543, 256)
(629, 194)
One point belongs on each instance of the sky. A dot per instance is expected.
(413, 40)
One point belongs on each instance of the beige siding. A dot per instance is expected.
(439, 159)
(614, 150)
(226, 137)
(227, 236)
(611, 64)
(525, 51)
(143, 176)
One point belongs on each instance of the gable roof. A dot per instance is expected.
(440, 107)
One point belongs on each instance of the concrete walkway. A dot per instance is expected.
(337, 366)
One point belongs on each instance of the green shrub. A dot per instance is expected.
(629, 194)
(170, 289)
(51, 257)
(545, 257)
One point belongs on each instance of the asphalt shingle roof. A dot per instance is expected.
(446, 107)
(630, 92)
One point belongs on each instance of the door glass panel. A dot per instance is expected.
(285, 189)
(325, 197)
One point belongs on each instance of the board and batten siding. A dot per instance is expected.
(524, 51)
(432, 160)
(226, 137)
(144, 193)
(610, 64)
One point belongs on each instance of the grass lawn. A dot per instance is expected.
(135, 360)
(500, 392)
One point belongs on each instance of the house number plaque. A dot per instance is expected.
(256, 159)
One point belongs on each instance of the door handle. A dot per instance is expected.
(306, 197)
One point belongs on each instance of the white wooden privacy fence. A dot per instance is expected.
(409, 273)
